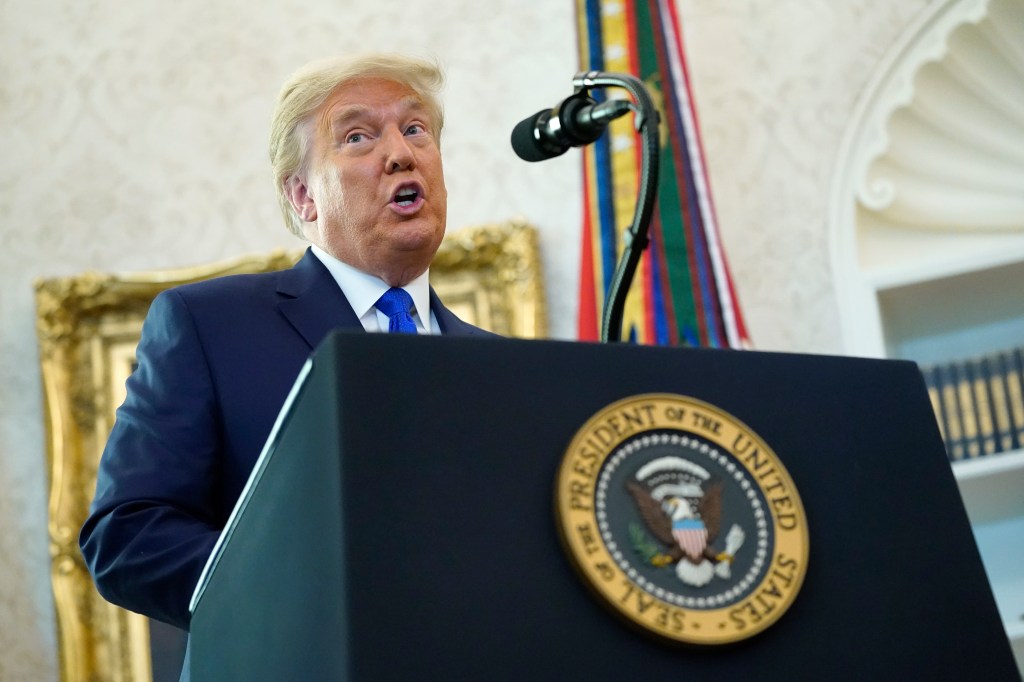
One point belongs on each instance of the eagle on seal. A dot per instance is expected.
(687, 528)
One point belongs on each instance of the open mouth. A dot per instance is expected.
(406, 196)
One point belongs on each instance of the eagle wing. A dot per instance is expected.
(710, 509)
(651, 512)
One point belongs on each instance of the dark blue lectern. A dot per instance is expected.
(400, 524)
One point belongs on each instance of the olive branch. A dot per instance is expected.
(643, 545)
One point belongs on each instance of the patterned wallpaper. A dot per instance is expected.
(133, 138)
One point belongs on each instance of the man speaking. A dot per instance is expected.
(355, 150)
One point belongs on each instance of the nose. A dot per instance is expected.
(398, 155)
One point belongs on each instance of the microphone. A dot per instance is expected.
(576, 121)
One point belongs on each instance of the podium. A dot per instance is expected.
(400, 523)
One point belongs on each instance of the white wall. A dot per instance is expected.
(132, 137)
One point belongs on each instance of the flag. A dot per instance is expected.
(682, 293)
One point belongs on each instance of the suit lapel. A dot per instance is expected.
(312, 301)
(314, 305)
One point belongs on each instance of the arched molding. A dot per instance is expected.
(928, 180)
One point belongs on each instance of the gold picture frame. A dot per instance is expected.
(88, 327)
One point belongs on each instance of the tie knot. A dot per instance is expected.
(396, 303)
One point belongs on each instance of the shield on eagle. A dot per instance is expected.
(692, 536)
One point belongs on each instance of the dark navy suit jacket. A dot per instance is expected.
(215, 363)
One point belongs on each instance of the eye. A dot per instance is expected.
(353, 138)
(415, 129)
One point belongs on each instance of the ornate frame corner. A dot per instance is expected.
(491, 276)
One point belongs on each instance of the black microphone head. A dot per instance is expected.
(528, 143)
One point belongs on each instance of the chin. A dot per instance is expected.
(418, 238)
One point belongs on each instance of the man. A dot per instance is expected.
(354, 146)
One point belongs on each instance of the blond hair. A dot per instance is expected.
(310, 86)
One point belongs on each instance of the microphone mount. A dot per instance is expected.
(635, 240)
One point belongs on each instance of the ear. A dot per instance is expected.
(301, 200)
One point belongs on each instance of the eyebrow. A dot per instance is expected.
(355, 111)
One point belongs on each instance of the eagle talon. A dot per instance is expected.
(661, 560)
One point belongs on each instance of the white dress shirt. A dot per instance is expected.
(363, 291)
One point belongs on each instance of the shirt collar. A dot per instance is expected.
(362, 290)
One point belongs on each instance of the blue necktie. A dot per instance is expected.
(396, 304)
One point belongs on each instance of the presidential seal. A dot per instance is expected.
(682, 519)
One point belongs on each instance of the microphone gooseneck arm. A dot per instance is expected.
(635, 240)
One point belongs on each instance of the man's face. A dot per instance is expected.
(375, 184)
